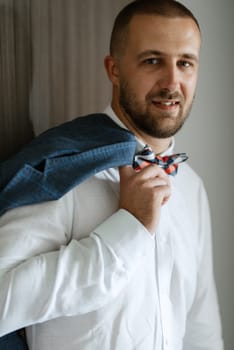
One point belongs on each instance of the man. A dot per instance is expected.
(123, 261)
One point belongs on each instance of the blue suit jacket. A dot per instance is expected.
(62, 157)
(55, 162)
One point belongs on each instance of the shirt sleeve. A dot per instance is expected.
(203, 324)
(45, 274)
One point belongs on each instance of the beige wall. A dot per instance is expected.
(208, 138)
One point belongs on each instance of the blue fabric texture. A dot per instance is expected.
(13, 341)
(61, 158)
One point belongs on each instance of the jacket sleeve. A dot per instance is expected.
(203, 330)
(45, 274)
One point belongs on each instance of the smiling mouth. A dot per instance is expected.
(166, 103)
(167, 106)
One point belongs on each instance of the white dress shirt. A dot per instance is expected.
(81, 274)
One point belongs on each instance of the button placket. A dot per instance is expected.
(164, 272)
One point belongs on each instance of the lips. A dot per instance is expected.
(167, 103)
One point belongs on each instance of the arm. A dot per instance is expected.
(203, 326)
(45, 274)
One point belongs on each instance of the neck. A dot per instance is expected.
(157, 145)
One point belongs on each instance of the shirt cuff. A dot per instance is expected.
(127, 237)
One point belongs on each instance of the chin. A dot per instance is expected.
(163, 133)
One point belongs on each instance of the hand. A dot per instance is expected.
(143, 193)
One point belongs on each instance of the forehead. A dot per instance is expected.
(179, 35)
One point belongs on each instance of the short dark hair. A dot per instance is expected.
(166, 8)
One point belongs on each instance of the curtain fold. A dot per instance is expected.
(70, 39)
(51, 64)
(15, 75)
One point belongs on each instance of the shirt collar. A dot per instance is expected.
(139, 144)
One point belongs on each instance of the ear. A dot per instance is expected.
(112, 69)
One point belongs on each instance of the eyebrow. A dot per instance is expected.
(147, 53)
(190, 56)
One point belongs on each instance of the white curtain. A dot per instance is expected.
(69, 41)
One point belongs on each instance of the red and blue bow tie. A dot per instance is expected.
(168, 163)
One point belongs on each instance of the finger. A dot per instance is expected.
(161, 193)
(166, 199)
(156, 182)
(152, 170)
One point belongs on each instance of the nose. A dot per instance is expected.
(169, 77)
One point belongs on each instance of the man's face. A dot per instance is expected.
(158, 73)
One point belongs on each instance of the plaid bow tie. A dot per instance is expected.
(168, 163)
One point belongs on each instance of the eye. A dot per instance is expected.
(152, 61)
(185, 64)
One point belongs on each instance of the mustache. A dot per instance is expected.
(167, 95)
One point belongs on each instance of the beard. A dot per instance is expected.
(159, 124)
